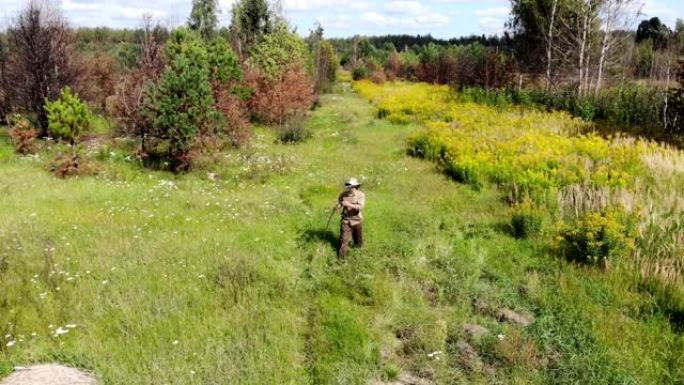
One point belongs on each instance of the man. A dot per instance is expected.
(351, 200)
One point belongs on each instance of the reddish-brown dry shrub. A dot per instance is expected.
(70, 164)
(99, 79)
(393, 66)
(235, 112)
(22, 134)
(379, 77)
(127, 105)
(277, 101)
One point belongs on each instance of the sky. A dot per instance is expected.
(340, 18)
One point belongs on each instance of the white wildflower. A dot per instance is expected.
(11, 343)
(501, 337)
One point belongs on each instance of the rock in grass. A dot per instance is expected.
(405, 379)
(481, 307)
(49, 375)
(410, 379)
(468, 358)
(474, 332)
(508, 315)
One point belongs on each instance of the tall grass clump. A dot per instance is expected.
(660, 261)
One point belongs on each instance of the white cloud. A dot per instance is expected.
(665, 12)
(71, 5)
(493, 12)
(407, 14)
(314, 5)
(405, 7)
(492, 20)
(421, 21)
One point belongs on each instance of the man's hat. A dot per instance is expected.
(352, 182)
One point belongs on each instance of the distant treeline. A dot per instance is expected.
(630, 79)
(405, 42)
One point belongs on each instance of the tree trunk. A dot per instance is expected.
(587, 50)
(582, 44)
(667, 93)
(605, 45)
(549, 44)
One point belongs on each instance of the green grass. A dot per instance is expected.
(185, 279)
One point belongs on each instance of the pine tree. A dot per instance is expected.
(252, 19)
(181, 104)
(204, 17)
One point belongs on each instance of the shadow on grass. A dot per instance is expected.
(503, 227)
(320, 235)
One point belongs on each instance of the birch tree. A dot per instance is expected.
(204, 17)
(538, 23)
(579, 34)
(616, 14)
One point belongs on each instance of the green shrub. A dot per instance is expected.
(68, 117)
(598, 238)
(278, 52)
(294, 132)
(585, 109)
(526, 221)
(360, 73)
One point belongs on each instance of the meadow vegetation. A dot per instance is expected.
(164, 200)
(226, 273)
(606, 194)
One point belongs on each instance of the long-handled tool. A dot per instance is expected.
(332, 213)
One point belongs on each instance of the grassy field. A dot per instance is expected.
(227, 276)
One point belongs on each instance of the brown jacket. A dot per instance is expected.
(355, 197)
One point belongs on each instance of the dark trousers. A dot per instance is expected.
(347, 233)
